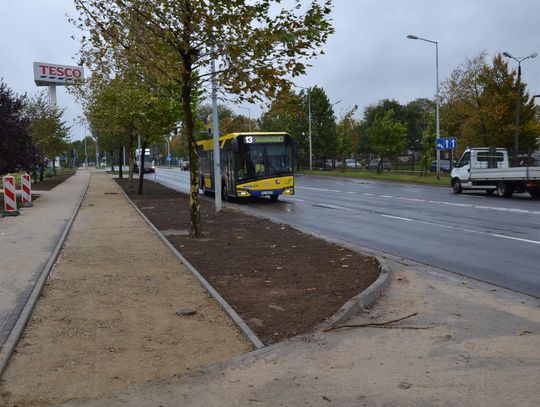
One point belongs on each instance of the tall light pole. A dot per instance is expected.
(414, 37)
(168, 150)
(309, 126)
(518, 87)
(249, 115)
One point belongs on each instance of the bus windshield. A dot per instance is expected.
(264, 160)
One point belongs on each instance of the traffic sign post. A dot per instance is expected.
(446, 143)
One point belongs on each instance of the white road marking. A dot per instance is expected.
(350, 192)
(516, 238)
(331, 206)
(397, 217)
(366, 194)
(295, 199)
(319, 189)
(461, 229)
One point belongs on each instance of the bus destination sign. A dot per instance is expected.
(264, 139)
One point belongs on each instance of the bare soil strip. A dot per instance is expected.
(282, 282)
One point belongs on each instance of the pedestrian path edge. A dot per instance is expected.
(244, 328)
(22, 320)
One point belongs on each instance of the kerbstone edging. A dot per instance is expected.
(24, 316)
(363, 300)
(240, 323)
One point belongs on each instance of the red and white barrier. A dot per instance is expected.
(10, 197)
(26, 190)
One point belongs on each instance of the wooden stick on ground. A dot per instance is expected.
(369, 324)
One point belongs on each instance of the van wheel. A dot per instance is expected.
(456, 186)
(504, 189)
(535, 193)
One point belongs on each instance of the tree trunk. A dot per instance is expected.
(141, 167)
(41, 171)
(111, 154)
(189, 129)
(54, 166)
(130, 160)
(120, 162)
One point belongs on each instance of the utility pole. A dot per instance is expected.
(215, 125)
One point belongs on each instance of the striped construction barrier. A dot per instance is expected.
(10, 197)
(26, 191)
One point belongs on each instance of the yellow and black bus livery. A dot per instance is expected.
(252, 165)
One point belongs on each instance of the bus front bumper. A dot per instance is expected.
(243, 192)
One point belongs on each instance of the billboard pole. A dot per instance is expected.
(52, 96)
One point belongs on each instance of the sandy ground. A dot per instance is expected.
(481, 347)
(104, 324)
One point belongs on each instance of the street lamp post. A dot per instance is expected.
(518, 87)
(414, 37)
(168, 150)
(309, 126)
(249, 115)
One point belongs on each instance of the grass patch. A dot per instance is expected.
(427, 179)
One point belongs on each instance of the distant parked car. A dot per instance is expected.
(444, 165)
(373, 165)
(184, 166)
(352, 163)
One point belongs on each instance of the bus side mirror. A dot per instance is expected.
(234, 145)
(295, 150)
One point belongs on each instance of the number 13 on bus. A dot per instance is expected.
(252, 165)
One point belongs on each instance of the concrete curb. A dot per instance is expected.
(18, 329)
(363, 300)
(244, 328)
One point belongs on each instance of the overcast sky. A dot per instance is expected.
(368, 59)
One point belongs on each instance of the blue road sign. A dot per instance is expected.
(169, 158)
(446, 143)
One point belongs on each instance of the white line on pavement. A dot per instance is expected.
(319, 189)
(461, 229)
(331, 206)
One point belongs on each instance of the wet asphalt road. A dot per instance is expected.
(487, 238)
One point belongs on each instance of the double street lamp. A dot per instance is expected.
(414, 37)
(518, 87)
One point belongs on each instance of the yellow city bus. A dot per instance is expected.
(252, 165)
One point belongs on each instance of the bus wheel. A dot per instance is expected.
(274, 197)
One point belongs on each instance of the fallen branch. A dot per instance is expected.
(370, 324)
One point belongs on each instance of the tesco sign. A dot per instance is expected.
(54, 74)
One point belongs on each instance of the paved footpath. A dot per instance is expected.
(480, 347)
(26, 243)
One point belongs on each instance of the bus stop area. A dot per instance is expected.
(106, 330)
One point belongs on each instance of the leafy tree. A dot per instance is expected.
(419, 116)
(323, 124)
(78, 146)
(259, 47)
(49, 133)
(479, 105)
(387, 136)
(348, 134)
(289, 114)
(372, 114)
(17, 150)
